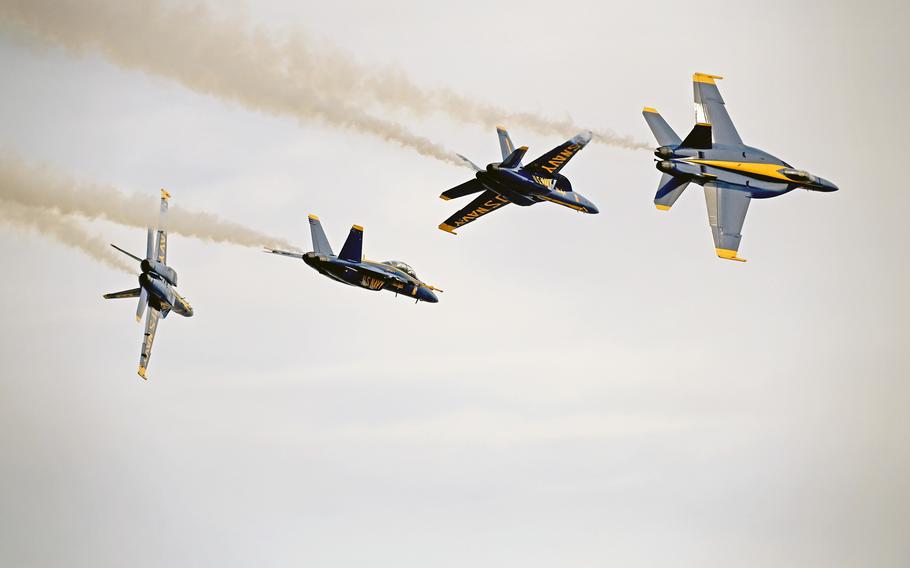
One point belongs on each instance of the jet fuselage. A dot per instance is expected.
(162, 296)
(523, 188)
(370, 275)
(755, 171)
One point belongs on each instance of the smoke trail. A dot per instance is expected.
(64, 230)
(299, 77)
(43, 192)
(214, 57)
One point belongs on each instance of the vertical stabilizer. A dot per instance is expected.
(353, 246)
(320, 241)
(505, 142)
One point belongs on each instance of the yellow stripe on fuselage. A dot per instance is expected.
(754, 168)
(563, 203)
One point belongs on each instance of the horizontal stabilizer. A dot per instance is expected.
(320, 241)
(467, 188)
(470, 164)
(669, 191)
(699, 138)
(513, 160)
(284, 253)
(353, 246)
(134, 293)
(662, 131)
(133, 256)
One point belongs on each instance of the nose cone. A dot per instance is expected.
(424, 294)
(589, 207)
(827, 185)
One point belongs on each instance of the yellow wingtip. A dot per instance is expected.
(165, 194)
(662, 207)
(705, 78)
(448, 228)
(728, 254)
(357, 228)
(444, 198)
(524, 148)
(500, 127)
(141, 372)
(313, 217)
(650, 109)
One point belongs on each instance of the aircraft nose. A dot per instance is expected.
(830, 186)
(424, 294)
(592, 209)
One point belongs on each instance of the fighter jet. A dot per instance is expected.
(349, 267)
(156, 286)
(714, 156)
(510, 182)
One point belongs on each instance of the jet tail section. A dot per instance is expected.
(662, 131)
(353, 246)
(513, 160)
(505, 142)
(699, 138)
(320, 241)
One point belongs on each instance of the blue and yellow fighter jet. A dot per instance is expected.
(351, 268)
(510, 182)
(714, 156)
(156, 286)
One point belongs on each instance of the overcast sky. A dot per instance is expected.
(590, 390)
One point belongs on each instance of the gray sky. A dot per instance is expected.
(590, 390)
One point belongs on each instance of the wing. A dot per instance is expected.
(486, 202)
(161, 244)
(550, 163)
(709, 108)
(151, 325)
(727, 207)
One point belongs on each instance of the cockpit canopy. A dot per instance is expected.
(402, 267)
(799, 175)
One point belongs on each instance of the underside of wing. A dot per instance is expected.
(485, 203)
(151, 325)
(710, 109)
(727, 208)
(550, 163)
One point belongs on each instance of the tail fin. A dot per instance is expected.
(320, 242)
(353, 247)
(699, 138)
(662, 132)
(505, 143)
(669, 191)
(513, 160)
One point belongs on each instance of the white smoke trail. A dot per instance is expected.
(41, 190)
(299, 76)
(215, 57)
(65, 230)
